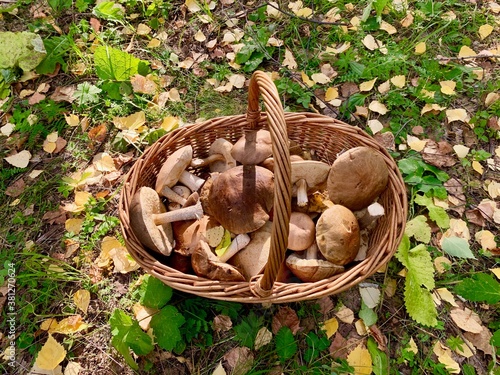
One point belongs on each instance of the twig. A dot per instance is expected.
(468, 57)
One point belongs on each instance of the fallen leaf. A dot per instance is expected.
(19, 160)
(375, 126)
(367, 85)
(98, 133)
(461, 151)
(361, 360)
(378, 107)
(154, 43)
(219, 370)
(73, 225)
(35, 370)
(135, 122)
(143, 315)
(387, 27)
(477, 167)
(486, 239)
(81, 199)
(466, 319)
(407, 21)
(458, 114)
(444, 356)
(442, 264)
(448, 87)
(433, 108)
(371, 43)
(415, 143)
(71, 324)
(481, 340)
(331, 94)
(239, 360)
(485, 30)
(192, 6)
(72, 368)
(306, 79)
(384, 87)
(496, 272)
(320, 78)
(264, 337)
(289, 60)
(170, 123)
(222, 323)
(466, 52)
(491, 98)
(143, 85)
(285, 317)
(420, 48)
(370, 294)
(15, 189)
(446, 296)
(199, 36)
(330, 327)
(81, 298)
(103, 162)
(50, 355)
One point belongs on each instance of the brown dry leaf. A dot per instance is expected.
(264, 337)
(239, 360)
(113, 250)
(15, 189)
(285, 317)
(432, 108)
(63, 94)
(390, 287)
(144, 85)
(371, 43)
(461, 151)
(72, 119)
(361, 360)
(439, 154)
(51, 354)
(481, 340)
(384, 87)
(170, 123)
(98, 133)
(73, 225)
(219, 370)
(477, 167)
(444, 356)
(320, 78)
(154, 43)
(491, 98)
(19, 160)
(222, 323)
(36, 98)
(467, 320)
(199, 36)
(379, 337)
(81, 298)
(72, 368)
(192, 6)
(103, 162)
(55, 217)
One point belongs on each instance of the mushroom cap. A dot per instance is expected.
(173, 167)
(311, 270)
(144, 205)
(338, 235)
(302, 231)
(357, 177)
(313, 171)
(253, 258)
(241, 198)
(188, 233)
(253, 147)
(221, 146)
(206, 264)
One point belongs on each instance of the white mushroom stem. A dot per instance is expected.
(198, 162)
(182, 191)
(187, 213)
(301, 186)
(312, 252)
(171, 195)
(238, 243)
(369, 215)
(191, 181)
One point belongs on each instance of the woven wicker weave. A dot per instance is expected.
(327, 137)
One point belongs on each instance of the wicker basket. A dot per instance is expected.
(323, 134)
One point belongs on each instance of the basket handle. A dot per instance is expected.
(261, 84)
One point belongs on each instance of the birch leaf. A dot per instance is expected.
(361, 360)
(420, 48)
(19, 160)
(485, 31)
(51, 354)
(81, 298)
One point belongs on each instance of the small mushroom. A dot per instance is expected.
(308, 268)
(219, 157)
(269, 162)
(253, 147)
(337, 235)
(357, 177)
(241, 198)
(150, 222)
(367, 217)
(206, 264)
(173, 171)
(182, 191)
(308, 175)
(302, 231)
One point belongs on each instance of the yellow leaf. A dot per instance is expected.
(399, 81)
(219, 370)
(320, 78)
(448, 87)
(264, 337)
(304, 12)
(237, 80)
(306, 79)
(331, 93)
(491, 98)
(486, 239)
(170, 123)
(412, 346)
(414, 143)
(82, 197)
(144, 315)
(81, 298)
(330, 326)
(361, 360)
(345, 314)
(444, 356)
(154, 43)
(461, 151)
(384, 87)
(388, 28)
(51, 354)
(71, 324)
(446, 296)
(103, 162)
(420, 48)
(73, 225)
(49, 147)
(361, 327)
(134, 121)
(143, 29)
(496, 272)
(19, 160)
(272, 10)
(477, 167)
(72, 120)
(493, 189)
(408, 20)
(192, 6)
(466, 52)
(485, 31)
(48, 325)
(367, 85)
(199, 36)
(174, 95)
(375, 126)
(378, 107)
(458, 114)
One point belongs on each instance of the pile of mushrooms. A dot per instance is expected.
(219, 227)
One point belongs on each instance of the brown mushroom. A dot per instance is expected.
(357, 177)
(219, 156)
(206, 264)
(269, 162)
(308, 175)
(308, 268)
(242, 197)
(253, 147)
(337, 235)
(150, 222)
(302, 231)
(188, 233)
(182, 191)
(173, 171)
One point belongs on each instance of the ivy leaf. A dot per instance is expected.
(379, 358)
(419, 229)
(481, 287)
(165, 327)
(154, 293)
(286, 347)
(457, 247)
(437, 214)
(56, 48)
(116, 65)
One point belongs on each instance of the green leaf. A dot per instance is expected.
(468, 369)
(24, 50)
(419, 302)
(108, 10)
(437, 214)
(57, 47)
(315, 345)
(113, 64)
(418, 261)
(481, 287)
(495, 339)
(379, 358)
(128, 335)
(154, 293)
(165, 327)
(286, 346)
(419, 229)
(368, 315)
(247, 330)
(86, 93)
(457, 247)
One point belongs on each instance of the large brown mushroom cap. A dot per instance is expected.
(311, 270)
(302, 231)
(337, 235)
(357, 177)
(242, 197)
(253, 148)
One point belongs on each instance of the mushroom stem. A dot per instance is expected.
(238, 243)
(301, 192)
(191, 181)
(369, 215)
(198, 162)
(172, 195)
(312, 252)
(187, 213)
